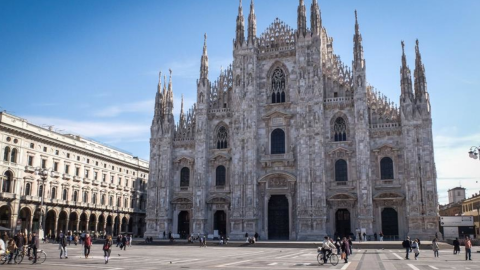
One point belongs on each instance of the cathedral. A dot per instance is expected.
(291, 143)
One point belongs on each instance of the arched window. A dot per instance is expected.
(28, 188)
(386, 168)
(185, 177)
(220, 176)
(222, 138)
(278, 142)
(102, 200)
(65, 194)
(75, 196)
(94, 198)
(13, 157)
(125, 202)
(111, 201)
(340, 130)
(119, 202)
(278, 86)
(6, 154)
(40, 191)
(85, 196)
(341, 171)
(141, 203)
(54, 193)
(7, 181)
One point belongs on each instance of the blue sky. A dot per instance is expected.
(91, 67)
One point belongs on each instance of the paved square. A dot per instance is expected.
(221, 257)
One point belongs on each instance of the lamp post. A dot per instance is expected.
(43, 173)
(474, 152)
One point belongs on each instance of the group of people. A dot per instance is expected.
(252, 240)
(414, 246)
(344, 245)
(13, 246)
(123, 241)
(468, 247)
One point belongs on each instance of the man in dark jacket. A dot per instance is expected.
(124, 243)
(19, 241)
(35, 245)
(407, 245)
(62, 242)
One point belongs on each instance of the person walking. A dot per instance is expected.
(327, 247)
(350, 245)
(107, 248)
(256, 236)
(69, 238)
(381, 236)
(338, 244)
(345, 249)
(375, 236)
(416, 248)
(87, 245)
(435, 247)
(11, 248)
(62, 245)
(19, 241)
(35, 245)
(456, 246)
(246, 236)
(407, 245)
(124, 243)
(468, 248)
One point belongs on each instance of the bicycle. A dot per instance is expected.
(4, 257)
(41, 256)
(332, 257)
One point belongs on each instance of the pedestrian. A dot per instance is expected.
(75, 239)
(200, 240)
(435, 247)
(11, 248)
(130, 240)
(416, 248)
(365, 236)
(124, 243)
(62, 245)
(407, 245)
(69, 238)
(375, 236)
(350, 245)
(107, 245)
(34, 245)
(163, 234)
(2, 247)
(327, 247)
(5, 237)
(345, 249)
(256, 236)
(204, 241)
(338, 244)
(119, 239)
(246, 236)
(19, 241)
(456, 246)
(381, 236)
(87, 245)
(359, 236)
(468, 248)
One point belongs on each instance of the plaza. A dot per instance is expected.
(249, 257)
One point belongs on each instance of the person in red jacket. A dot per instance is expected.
(87, 245)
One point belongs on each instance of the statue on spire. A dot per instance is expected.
(240, 31)
(204, 60)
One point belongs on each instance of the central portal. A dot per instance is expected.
(342, 223)
(278, 219)
(183, 224)
(220, 222)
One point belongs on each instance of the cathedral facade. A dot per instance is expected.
(291, 143)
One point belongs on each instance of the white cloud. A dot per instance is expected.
(96, 129)
(146, 106)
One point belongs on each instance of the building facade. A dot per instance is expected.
(471, 207)
(293, 144)
(90, 187)
(456, 195)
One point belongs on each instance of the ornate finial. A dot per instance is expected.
(160, 77)
(170, 70)
(356, 18)
(403, 47)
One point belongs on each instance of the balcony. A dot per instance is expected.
(126, 188)
(55, 174)
(8, 196)
(277, 159)
(104, 184)
(30, 198)
(342, 185)
(95, 182)
(119, 187)
(67, 176)
(86, 181)
(111, 185)
(387, 184)
(29, 169)
(77, 179)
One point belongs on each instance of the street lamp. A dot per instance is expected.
(43, 173)
(474, 152)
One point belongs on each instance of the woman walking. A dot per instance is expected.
(345, 249)
(87, 245)
(435, 247)
(416, 248)
(107, 248)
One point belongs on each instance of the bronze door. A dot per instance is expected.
(342, 223)
(278, 219)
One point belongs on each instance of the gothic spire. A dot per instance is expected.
(420, 79)
(301, 19)
(169, 97)
(405, 77)
(204, 60)
(315, 18)
(358, 60)
(182, 115)
(240, 32)
(252, 25)
(159, 97)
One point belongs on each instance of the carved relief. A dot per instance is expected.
(277, 183)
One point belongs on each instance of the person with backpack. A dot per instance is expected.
(107, 248)
(416, 248)
(407, 245)
(87, 245)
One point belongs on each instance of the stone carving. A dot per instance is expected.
(277, 183)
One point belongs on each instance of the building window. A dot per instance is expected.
(278, 86)
(111, 201)
(54, 193)
(65, 194)
(68, 155)
(340, 130)
(77, 171)
(386, 168)
(126, 182)
(44, 163)
(7, 181)
(85, 196)
(125, 202)
(220, 176)
(104, 178)
(13, 157)
(102, 200)
(40, 190)
(111, 179)
(44, 149)
(222, 138)
(278, 142)
(95, 175)
(94, 198)
(88, 160)
(118, 202)
(57, 152)
(55, 166)
(28, 188)
(341, 171)
(86, 173)
(32, 145)
(6, 154)
(30, 160)
(75, 196)
(185, 177)
(78, 158)
(67, 169)
(119, 181)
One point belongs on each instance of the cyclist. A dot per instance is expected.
(327, 247)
